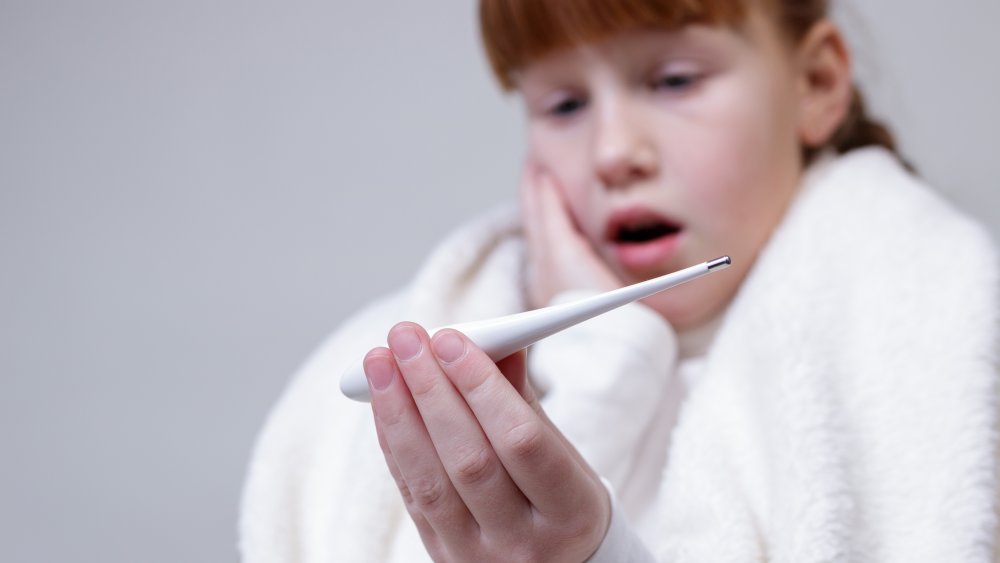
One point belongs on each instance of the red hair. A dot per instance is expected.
(516, 32)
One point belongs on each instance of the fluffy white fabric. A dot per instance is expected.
(847, 410)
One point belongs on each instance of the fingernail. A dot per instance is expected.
(380, 372)
(448, 347)
(404, 343)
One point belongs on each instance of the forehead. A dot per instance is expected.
(637, 54)
(518, 32)
(622, 53)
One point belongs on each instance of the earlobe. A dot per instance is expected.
(827, 83)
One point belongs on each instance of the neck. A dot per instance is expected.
(695, 341)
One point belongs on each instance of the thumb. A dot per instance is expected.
(514, 368)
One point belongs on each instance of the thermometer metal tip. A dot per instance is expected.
(723, 262)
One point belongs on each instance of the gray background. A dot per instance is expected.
(192, 193)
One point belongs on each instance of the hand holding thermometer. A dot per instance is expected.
(502, 336)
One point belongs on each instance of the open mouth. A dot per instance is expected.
(642, 239)
(638, 226)
(645, 232)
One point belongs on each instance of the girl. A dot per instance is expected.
(831, 396)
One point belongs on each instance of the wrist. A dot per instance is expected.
(620, 543)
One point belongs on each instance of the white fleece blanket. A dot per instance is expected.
(847, 411)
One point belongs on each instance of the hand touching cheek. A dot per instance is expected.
(559, 256)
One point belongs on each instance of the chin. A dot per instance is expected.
(692, 304)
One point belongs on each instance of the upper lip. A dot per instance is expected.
(635, 217)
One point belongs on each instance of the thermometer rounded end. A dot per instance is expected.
(354, 385)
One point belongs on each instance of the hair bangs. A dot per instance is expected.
(516, 32)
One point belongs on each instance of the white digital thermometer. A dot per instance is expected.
(502, 336)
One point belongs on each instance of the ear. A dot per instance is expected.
(824, 65)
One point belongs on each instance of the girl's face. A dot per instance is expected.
(671, 148)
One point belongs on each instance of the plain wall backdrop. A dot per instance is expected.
(193, 193)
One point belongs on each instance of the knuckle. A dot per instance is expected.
(428, 493)
(582, 528)
(526, 440)
(479, 389)
(478, 382)
(404, 492)
(391, 418)
(527, 552)
(579, 528)
(473, 466)
(426, 386)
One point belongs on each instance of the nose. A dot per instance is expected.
(624, 152)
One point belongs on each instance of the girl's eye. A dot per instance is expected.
(675, 82)
(567, 107)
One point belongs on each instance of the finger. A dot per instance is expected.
(538, 251)
(427, 534)
(529, 179)
(580, 259)
(426, 488)
(551, 207)
(530, 207)
(535, 457)
(474, 468)
(514, 368)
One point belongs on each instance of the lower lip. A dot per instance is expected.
(647, 255)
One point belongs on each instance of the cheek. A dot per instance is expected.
(560, 151)
(564, 154)
(741, 160)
